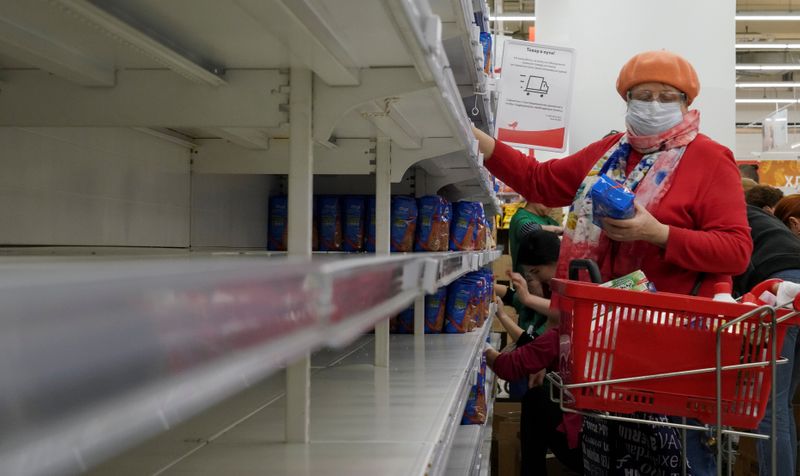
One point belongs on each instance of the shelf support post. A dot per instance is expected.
(383, 209)
(301, 192)
(419, 315)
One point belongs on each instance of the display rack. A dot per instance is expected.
(304, 88)
(189, 330)
(367, 420)
(473, 443)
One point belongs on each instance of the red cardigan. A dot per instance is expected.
(704, 208)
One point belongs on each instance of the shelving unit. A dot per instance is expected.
(296, 88)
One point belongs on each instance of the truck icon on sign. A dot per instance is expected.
(536, 85)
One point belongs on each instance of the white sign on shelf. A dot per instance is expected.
(535, 95)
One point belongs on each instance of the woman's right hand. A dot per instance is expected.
(485, 142)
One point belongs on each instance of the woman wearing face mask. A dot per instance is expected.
(690, 228)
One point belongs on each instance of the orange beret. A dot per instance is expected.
(659, 67)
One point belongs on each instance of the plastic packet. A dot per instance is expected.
(611, 199)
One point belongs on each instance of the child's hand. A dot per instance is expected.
(500, 306)
(520, 283)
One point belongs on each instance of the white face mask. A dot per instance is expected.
(648, 118)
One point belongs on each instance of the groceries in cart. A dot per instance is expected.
(611, 199)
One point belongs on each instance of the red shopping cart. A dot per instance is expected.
(627, 351)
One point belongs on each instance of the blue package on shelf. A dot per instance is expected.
(369, 244)
(404, 322)
(433, 224)
(611, 199)
(330, 223)
(463, 226)
(354, 214)
(458, 296)
(278, 222)
(435, 305)
(486, 42)
(404, 223)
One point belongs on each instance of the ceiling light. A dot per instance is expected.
(794, 146)
(767, 46)
(767, 17)
(512, 18)
(768, 101)
(767, 67)
(772, 85)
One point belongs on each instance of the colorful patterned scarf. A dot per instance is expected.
(649, 180)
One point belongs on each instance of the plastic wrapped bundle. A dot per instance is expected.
(458, 300)
(369, 245)
(354, 214)
(435, 305)
(610, 199)
(330, 223)
(433, 224)
(462, 228)
(278, 221)
(403, 223)
(404, 322)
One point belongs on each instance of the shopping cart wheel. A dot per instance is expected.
(576, 265)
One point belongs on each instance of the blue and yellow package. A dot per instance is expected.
(404, 223)
(354, 214)
(404, 322)
(330, 223)
(369, 244)
(433, 224)
(278, 221)
(435, 305)
(458, 300)
(463, 227)
(611, 199)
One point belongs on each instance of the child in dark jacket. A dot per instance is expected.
(543, 426)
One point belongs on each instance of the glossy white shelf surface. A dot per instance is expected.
(365, 420)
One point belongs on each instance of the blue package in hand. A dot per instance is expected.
(611, 199)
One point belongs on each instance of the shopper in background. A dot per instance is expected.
(763, 197)
(788, 211)
(776, 254)
(690, 227)
(748, 183)
(533, 217)
(542, 423)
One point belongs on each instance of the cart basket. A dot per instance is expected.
(609, 334)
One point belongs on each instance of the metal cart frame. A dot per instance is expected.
(767, 314)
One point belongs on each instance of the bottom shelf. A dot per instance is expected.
(472, 445)
(365, 420)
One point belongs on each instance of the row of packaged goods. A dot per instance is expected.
(455, 309)
(461, 307)
(347, 223)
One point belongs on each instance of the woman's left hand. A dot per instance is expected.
(642, 227)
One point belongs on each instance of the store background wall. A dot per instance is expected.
(92, 186)
(120, 187)
(230, 210)
(606, 33)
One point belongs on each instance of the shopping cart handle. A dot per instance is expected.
(576, 265)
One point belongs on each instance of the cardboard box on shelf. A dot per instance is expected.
(501, 266)
(505, 439)
(746, 458)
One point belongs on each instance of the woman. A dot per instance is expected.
(690, 227)
(788, 211)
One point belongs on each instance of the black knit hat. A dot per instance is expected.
(538, 247)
